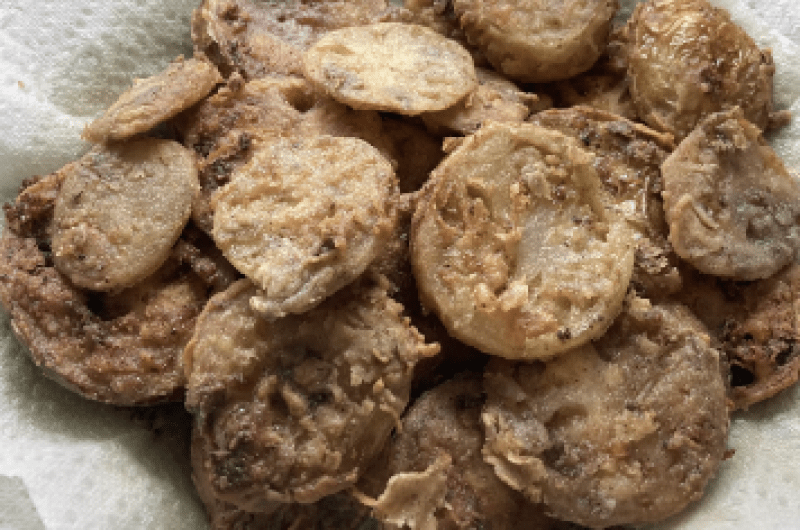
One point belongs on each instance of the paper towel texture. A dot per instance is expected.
(66, 463)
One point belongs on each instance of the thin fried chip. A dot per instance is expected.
(294, 409)
(119, 211)
(154, 100)
(538, 41)
(305, 217)
(393, 67)
(688, 59)
(627, 430)
(495, 98)
(512, 247)
(733, 208)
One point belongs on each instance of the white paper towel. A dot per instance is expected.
(69, 464)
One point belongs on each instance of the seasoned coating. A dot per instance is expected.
(121, 348)
(304, 218)
(154, 100)
(628, 158)
(119, 211)
(627, 430)
(294, 409)
(395, 67)
(222, 128)
(756, 325)
(415, 150)
(733, 208)
(538, 41)
(258, 38)
(495, 99)
(688, 59)
(445, 424)
(605, 86)
(339, 511)
(512, 247)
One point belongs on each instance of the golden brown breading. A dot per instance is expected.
(445, 423)
(304, 218)
(756, 326)
(732, 206)
(394, 67)
(688, 59)
(538, 41)
(513, 248)
(495, 99)
(258, 38)
(119, 211)
(628, 161)
(294, 409)
(122, 348)
(625, 430)
(154, 100)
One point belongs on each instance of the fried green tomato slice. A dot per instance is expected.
(628, 160)
(438, 451)
(733, 208)
(495, 98)
(538, 41)
(154, 100)
(122, 348)
(292, 410)
(513, 248)
(393, 67)
(119, 211)
(305, 217)
(688, 59)
(625, 430)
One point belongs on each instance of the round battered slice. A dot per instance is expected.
(222, 128)
(305, 217)
(733, 208)
(121, 348)
(757, 327)
(120, 210)
(339, 511)
(538, 41)
(258, 38)
(395, 67)
(153, 100)
(512, 247)
(627, 430)
(688, 59)
(440, 446)
(294, 409)
(628, 160)
(495, 99)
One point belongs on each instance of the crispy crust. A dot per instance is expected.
(293, 410)
(688, 59)
(627, 430)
